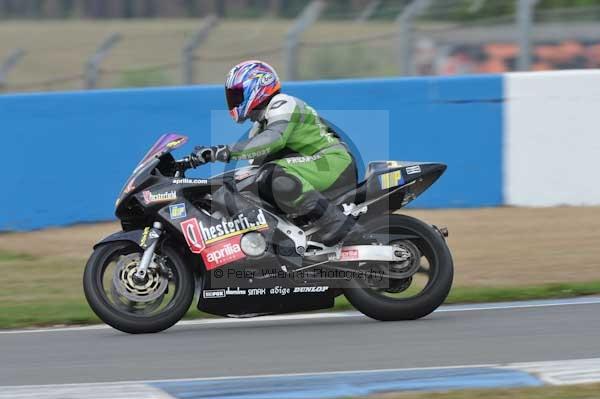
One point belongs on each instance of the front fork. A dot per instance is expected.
(148, 242)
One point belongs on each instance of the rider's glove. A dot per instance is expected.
(202, 155)
(221, 153)
(199, 156)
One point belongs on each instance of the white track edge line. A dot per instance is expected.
(506, 366)
(331, 315)
(258, 376)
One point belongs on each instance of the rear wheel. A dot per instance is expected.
(136, 306)
(407, 290)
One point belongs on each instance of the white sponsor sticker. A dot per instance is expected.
(236, 291)
(277, 290)
(150, 197)
(294, 160)
(256, 291)
(411, 170)
(190, 181)
(209, 294)
(310, 289)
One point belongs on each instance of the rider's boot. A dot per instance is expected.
(334, 225)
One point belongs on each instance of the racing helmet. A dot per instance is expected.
(248, 85)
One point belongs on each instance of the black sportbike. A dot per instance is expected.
(243, 257)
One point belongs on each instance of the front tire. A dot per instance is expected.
(432, 245)
(124, 314)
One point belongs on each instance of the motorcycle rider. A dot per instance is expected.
(300, 155)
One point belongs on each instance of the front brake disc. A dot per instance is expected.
(151, 288)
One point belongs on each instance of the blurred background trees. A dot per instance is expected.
(53, 9)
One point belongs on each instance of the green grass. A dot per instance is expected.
(499, 294)
(8, 256)
(588, 391)
(44, 314)
(41, 291)
(150, 52)
(48, 291)
(496, 294)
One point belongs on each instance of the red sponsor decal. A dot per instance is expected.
(193, 235)
(349, 253)
(223, 252)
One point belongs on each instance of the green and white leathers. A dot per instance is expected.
(288, 124)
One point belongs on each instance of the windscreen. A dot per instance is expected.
(166, 143)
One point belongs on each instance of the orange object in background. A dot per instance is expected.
(500, 57)
(541, 66)
(501, 50)
(572, 48)
(545, 52)
(493, 65)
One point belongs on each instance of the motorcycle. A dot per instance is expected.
(242, 256)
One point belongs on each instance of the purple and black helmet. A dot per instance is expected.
(249, 84)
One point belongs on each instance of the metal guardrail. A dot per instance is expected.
(398, 44)
(309, 15)
(207, 26)
(405, 23)
(9, 63)
(524, 23)
(92, 66)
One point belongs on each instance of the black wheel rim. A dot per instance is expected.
(409, 288)
(126, 305)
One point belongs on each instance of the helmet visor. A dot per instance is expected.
(234, 97)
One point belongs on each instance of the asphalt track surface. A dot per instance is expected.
(453, 335)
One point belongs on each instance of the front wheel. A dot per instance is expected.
(411, 289)
(136, 306)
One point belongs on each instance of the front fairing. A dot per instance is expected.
(164, 145)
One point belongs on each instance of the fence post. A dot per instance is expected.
(9, 63)
(405, 30)
(187, 54)
(307, 17)
(368, 11)
(524, 22)
(92, 66)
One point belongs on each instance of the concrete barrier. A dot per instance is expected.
(66, 155)
(552, 138)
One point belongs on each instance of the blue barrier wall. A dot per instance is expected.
(67, 155)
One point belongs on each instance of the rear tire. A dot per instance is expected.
(128, 322)
(383, 308)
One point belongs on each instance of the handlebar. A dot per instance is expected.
(183, 164)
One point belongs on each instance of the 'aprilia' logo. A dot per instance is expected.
(223, 252)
